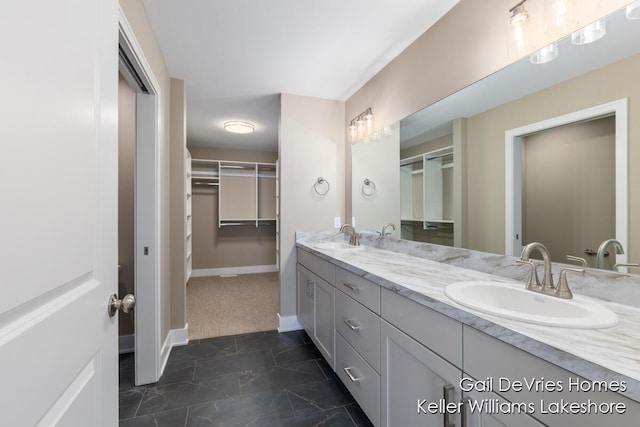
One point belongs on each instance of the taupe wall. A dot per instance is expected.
(178, 130)
(233, 246)
(311, 144)
(485, 146)
(126, 163)
(568, 197)
(137, 18)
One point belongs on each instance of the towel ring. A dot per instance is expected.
(321, 181)
(368, 184)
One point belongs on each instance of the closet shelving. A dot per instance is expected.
(425, 193)
(246, 190)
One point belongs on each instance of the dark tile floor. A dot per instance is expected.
(261, 379)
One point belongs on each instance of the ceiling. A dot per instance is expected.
(237, 56)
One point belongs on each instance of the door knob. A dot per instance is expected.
(125, 304)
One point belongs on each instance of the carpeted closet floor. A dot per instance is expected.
(220, 306)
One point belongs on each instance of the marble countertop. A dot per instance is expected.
(601, 354)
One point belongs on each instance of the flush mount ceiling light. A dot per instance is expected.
(236, 126)
(633, 10)
(544, 55)
(518, 14)
(590, 33)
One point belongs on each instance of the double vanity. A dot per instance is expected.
(385, 317)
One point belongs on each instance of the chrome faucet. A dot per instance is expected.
(546, 287)
(353, 236)
(384, 232)
(602, 251)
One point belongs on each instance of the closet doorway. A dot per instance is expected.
(234, 285)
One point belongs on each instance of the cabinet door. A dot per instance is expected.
(305, 301)
(478, 408)
(323, 300)
(411, 373)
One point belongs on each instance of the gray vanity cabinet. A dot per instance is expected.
(411, 373)
(490, 416)
(315, 311)
(323, 331)
(305, 299)
(488, 357)
(358, 341)
(316, 302)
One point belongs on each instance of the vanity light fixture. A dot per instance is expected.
(518, 14)
(361, 126)
(633, 10)
(590, 33)
(544, 55)
(236, 126)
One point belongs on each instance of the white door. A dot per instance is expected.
(58, 212)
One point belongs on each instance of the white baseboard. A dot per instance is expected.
(175, 337)
(251, 269)
(126, 343)
(288, 323)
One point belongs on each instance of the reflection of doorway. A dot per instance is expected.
(568, 188)
(514, 140)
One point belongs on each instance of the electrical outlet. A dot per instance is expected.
(353, 221)
(336, 222)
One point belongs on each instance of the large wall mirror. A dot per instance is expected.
(467, 160)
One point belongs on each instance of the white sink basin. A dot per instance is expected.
(336, 246)
(517, 303)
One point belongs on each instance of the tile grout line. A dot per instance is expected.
(186, 418)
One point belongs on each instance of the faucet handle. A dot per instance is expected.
(532, 281)
(632, 265)
(562, 290)
(582, 261)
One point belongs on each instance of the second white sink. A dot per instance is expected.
(517, 303)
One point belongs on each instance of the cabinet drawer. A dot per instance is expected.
(360, 327)
(365, 292)
(439, 333)
(318, 266)
(362, 381)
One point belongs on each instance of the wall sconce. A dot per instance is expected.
(544, 55)
(361, 125)
(518, 14)
(633, 10)
(590, 33)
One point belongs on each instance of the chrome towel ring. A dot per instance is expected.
(368, 188)
(322, 183)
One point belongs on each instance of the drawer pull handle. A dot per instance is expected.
(350, 375)
(351, 325)
(350, 286)
(448, 395)
(464, 413)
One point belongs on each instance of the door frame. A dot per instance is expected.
(147, 244)
(514, 138)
